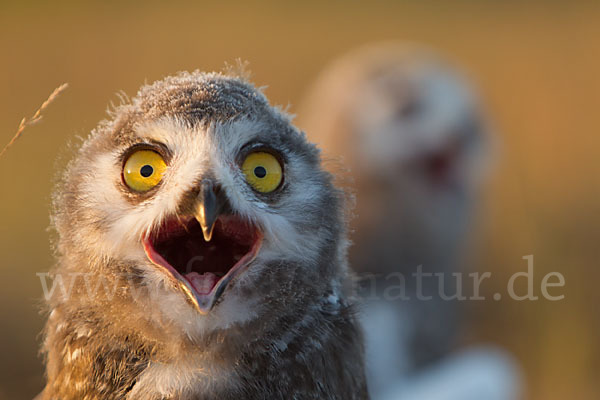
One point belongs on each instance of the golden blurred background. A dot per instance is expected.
(536, 66)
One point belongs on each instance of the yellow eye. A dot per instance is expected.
(143, 170)
(263, 171)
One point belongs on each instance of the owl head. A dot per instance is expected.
(395, 109)
(206, 204)
(412, 130)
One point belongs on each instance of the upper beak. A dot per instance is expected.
(209, 205)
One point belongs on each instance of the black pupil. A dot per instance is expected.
(260, 172)
(146, 171)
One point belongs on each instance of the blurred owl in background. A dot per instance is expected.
(205, 249)
(412, 132)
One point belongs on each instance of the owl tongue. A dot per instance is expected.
(204, 283)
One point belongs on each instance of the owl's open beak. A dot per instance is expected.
(205, 251)
(209, 205)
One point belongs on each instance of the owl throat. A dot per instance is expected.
(200, 268)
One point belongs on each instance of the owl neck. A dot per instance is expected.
(89, 358)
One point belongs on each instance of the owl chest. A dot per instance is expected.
(265, 377)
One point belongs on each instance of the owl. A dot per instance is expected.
(202, 252)
(416, 141)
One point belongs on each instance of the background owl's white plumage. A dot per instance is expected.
(411, 130)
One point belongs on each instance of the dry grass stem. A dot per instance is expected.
(36, 117)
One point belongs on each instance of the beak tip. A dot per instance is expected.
(207, 234)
